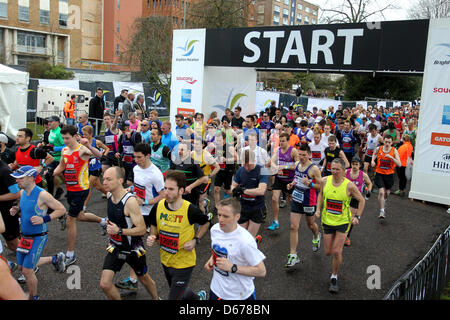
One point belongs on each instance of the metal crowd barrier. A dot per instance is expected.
(428, 278)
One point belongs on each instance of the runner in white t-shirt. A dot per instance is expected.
(148, 186)
(327, 133)
(318, 147)
(374, 139)
(262, 158)
(235, 259)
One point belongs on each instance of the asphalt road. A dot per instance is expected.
(394, 246)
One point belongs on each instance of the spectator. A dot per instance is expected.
(119, 100)
(96, 110)
(128, 105)
(6, 153)
(69, 110)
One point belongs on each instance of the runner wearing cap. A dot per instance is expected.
(34, 202)
(128, 139)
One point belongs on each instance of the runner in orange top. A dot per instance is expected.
(385, 158)
(405, 152)
(75, 164)
(69, 110)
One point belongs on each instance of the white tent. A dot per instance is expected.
(13, 100)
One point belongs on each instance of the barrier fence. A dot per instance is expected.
(428, 278)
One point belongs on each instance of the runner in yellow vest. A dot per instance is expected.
(333, 204)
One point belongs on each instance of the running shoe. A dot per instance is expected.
(22, 278)
(69, 261)
(274, 226)
(283, 203)
(59, 192)
(127, 284)
(316, 244)
(104, 196)
(226, 196)
(292, 260)
(347, 242)
(258, 239)
(206, 205)
(382, 215)
(333, 286)
(448, 210)
(202, 294)
(59, 262)
(63, 222)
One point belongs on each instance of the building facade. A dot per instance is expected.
(285, 13)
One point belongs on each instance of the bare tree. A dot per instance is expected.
(149, 47)
(353, 11)
(429, 9)
(219, 13)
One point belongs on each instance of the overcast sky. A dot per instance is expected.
(390, 15)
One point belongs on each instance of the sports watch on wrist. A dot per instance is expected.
(234, 268)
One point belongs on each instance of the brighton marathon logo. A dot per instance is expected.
(156, 98)
(443, 62)
(187, 51)
(231, 102)
(189, 80)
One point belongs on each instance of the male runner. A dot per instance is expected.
(160, 156)
(111, 141)
(374, 139)
(75, 165)
(235, 258)
(333, 204)
(385, 159)
(283, 160)
(349, 140)
(34, 202)
(304, 198)
(148, 185)
(250, 184)
(305, 134)
(172, 220)
(331, 153)
(128, 139)
(125, 226)
(318, 146)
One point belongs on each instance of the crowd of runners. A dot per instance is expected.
(171, 183)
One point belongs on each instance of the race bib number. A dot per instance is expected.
(385, 164)
(128, 149)
(128, 159)
(169, 241)
(116, 239)
(369, 152)
(329, 166)
(334, 206)
(346, 145)
(25, 245)
(298, 196)
(316, 155)
(71, 177)
(109, 140)
(140, 191)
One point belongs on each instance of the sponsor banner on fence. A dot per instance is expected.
(263, 99)
(431, 174)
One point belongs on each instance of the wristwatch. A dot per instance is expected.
(358, 217)
(234, 268)
(120, 231)
(197, 240)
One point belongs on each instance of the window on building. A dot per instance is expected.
(307, 9)
(286, 12)
(118, 4)
(261, 8)
(314, 12)
(306, 20)
(118, 26)
(24, 10)
(299, 6)
(286, 2)
(285, 22)
(276, 19)
(63, 12)
(313, 21)
(44, 11)
(260, 20)
(299, 17)
(4, 9)
(276, 9)
(117, 50)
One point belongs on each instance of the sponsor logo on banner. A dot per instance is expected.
(231, 102)
(186, 95)
(440, 139)
(189, 80)
(441, 90)
(446, 57)
(156, 98)
(187, 50)
(185, 112)
(446, 115)
(446, 157)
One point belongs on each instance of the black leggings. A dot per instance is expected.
(178, 280)
(401, 178)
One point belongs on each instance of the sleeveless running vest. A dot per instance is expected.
(385, 165)
(303, 194)
(116, 214)
(336, 204)
(285, 159)
(128, 150)
(347, 141)
(359, 181)
(29, 208)
(330, 155)
(158, 159)
(304, 136)
(201, 161)
(97, 165)
(77, 170)
(23, 158)
(112, 142)
(174, 231)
